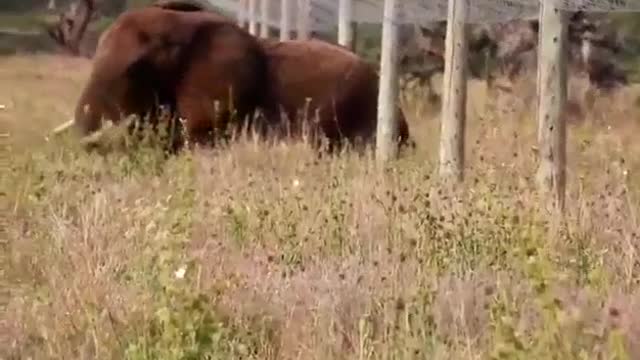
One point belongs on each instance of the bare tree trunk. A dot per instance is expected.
(72, 25)
(452, 137)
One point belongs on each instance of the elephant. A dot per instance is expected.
(177, 55)
(183, 59)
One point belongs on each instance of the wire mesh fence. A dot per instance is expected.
(324, 13)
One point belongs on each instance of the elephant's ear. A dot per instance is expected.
(119, 48)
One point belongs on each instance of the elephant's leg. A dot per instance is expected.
(304, 121)
(222, 75)
(198, 118)
(139, 100)
(206, 111)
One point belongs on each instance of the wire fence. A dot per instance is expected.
(324, 13)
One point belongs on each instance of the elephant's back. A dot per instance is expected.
(313, 69)
(158, 22)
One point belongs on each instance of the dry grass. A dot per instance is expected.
(287, 256)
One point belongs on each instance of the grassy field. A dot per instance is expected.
(260, 251)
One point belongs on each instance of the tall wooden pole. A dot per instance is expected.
(264, 19)
(345, 31)
(453, 123)
(387, 129)
(552, 95)
(242, 13)
(354, 34)
(285, 20)
(304, 8)
(253, 26)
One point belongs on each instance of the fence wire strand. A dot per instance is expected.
(324, 13)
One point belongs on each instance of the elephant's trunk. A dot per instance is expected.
(95, 103)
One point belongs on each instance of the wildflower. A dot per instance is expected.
(180, 272)
(296, 183)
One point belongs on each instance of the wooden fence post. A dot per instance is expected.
(345, 31)
(285, 20)
(242, 13)
(264, 19)
(552, 95)
(252, 17)
(304, 8)
(387, 130)
(454, 87)
(354, 34)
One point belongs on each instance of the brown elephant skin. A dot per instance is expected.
(179, 5)
(316, 81)
(341, 86)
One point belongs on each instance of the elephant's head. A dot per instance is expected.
(137, 62)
